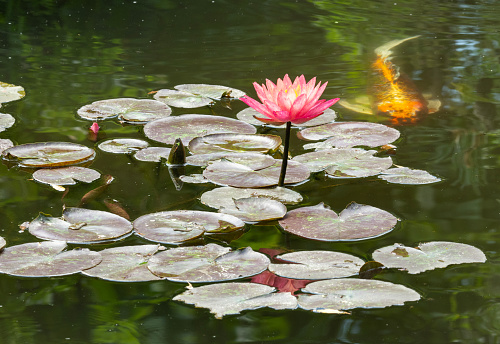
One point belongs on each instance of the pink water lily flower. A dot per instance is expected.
(296, 102)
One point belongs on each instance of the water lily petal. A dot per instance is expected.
(256, 105)
(296, 108)
(284, 101)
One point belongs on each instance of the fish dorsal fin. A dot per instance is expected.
(385, 50)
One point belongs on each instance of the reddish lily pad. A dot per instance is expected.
(80, 226)
(428, 256)
(181, 99)
(209, 263)
(126, 109)
(6, 121)
(49, 154)
(46, 259)
(313, 265)
(123, 146)
(211, 91)
(333, 295)
(9, 92)
(174, 227)
(405, 175)
(231, 174)
(125, 264)
(248, 115)
(187, 127)
(232, 298)
(356, 222)
(255, 209)
(255, 160)
(234, 143)
(66, 175)
(152, 154)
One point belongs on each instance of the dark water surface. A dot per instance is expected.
(67, 55)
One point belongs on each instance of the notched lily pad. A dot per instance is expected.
(80, 226)
(428, 256)
(9, 92)
(255, 160)
(6, 121)
(234, 143)
(181, 99)
(187, 127)
(248, 115)
(152, 154)
(125, 264)
(405, 175)
(48, 154)
(211, 91)
(255, 209)
(356, 222)
(66, 175)
(313, 265)
(346, 293)
(126, 109)
(232, 298)
(123, 146)
(209, 263)
(46, 259)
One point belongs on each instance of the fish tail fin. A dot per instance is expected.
(384, 50)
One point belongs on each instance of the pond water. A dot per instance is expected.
(66, 55)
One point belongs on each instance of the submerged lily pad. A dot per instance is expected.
(347, 293)
(211, 91)
(232, 298)
(66, 175)
(181, 99)
(173, 227)
(356, 222)
(152, 154)
(125, 264)
(9, 92)
(312, 265)
(6, 121)
(46, 259)
(80, 226)
(224, 197)
(231, 174)
(255, 209)
(405, 175)
(126, 109)
(234, 143)
(247, 115)
(255, 160)
(428, 256)
(49, 154)
(187, 127)
(209, 263)
(123, 146)
(349, 134)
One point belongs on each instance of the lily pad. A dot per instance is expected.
(210, 91)
(255, 160)
(209, 263)
(194, 178)
(123, 146)
(232, 298)
(356, 222)
(174, 227)
(152, 154)
(428, 256)
(9, 92)
(49, 154)
(247, 115)
(349, 134)
(5, 144)
(224, 197)
(46, 259)
(125, 264)
(2, 243)
(345, 162)
(126, 109)
(255, 209)
(405, 175)
(187, 127)
(234, 143)
(66, 175)
(181, 99)
(346, 293)
(80, 226)
(231, 174)
(6, 121)
(313, 265)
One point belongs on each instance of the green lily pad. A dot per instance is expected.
(231, 174)
(187, 127)
(181, 99)
(2, 243)
(125, 264)
(46, 259)
(154, 154)
(224, 197)
(209, 263)
(349, 134)
(255, 160)
(405, 175)
(210, 91)
(123, 146)
(66, 175)
(356, 222)
(5, 144)
(233, 298)
(255, 209)
(126, 109)
(234, 143)
(80, 226)
(174, 227)
(345, 293)
(6, 121)
(427, 256)
(9, 92)
(313, 265)
(248, 115)
(48, 154)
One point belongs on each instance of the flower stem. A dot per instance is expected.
(285, 154)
